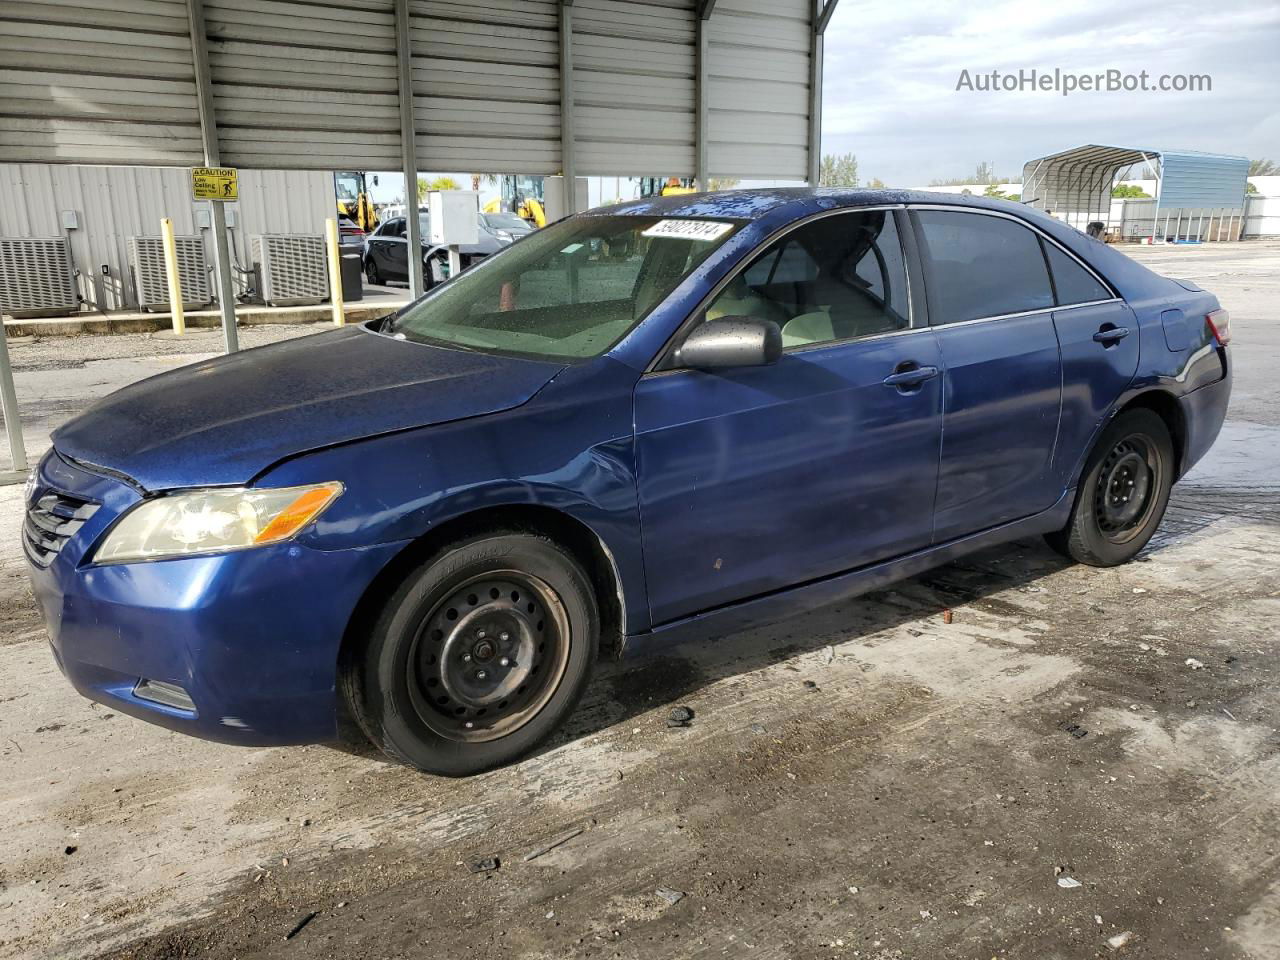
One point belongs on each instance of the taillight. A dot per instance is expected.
(1220, 326)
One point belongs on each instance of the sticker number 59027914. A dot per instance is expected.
(688, 229)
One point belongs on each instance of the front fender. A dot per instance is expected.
(570, 450)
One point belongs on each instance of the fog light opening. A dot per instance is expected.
(166, 694)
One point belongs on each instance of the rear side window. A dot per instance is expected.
(981, 266)
(1072, 282)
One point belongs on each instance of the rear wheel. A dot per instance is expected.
(1123, 493)
(479, 654)
(434, 270)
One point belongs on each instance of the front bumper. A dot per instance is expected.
(252, 636)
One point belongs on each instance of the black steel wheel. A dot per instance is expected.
(489, 656)
(1124, 495)
(1123, 492)
(476, 656)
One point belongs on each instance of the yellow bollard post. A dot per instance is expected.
(335, 271)
(175, 282)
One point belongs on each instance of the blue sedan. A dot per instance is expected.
(657, 420)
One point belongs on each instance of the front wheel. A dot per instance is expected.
(371, 272)
(477, 656)
(1123, 493)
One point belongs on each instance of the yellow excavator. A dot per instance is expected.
(352, 188)
(522, 196)
(666, 186)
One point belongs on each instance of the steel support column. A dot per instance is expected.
(212, 153)
(12, 416)
(702, 94)
(821, 17)
(567, 166)
(408, 149)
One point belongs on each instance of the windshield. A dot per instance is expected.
(568, 291)
(505, 221)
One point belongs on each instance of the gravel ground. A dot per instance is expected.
(1083, 763)
(65, 353)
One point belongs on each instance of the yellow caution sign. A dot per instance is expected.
(214, 183)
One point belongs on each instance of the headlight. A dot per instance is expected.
(214, 520)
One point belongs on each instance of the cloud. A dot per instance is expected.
(891, 71)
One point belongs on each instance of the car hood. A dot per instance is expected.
(225, 420)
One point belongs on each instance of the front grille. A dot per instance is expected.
(53, 519)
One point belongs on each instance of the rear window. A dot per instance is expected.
(981, 266)
(1072, 282)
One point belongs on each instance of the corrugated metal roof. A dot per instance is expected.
(315, 85)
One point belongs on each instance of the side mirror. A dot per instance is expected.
(731, 342)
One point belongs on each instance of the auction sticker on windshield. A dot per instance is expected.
(688, 229)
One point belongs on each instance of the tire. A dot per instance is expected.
(371, 272)
(1123, 492)
(477, 656)
(430, 267)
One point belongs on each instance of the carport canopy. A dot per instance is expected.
(1076, 184)
(604, 87)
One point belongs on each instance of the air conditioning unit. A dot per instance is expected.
(290, 269)
(151, 279)
(37, 278)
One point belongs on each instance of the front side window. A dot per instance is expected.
(394, 229)
(980, 266)
(1072, 282)
(836, 278)
(568, 291)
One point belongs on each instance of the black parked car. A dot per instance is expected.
(385, 252)
(506, 224)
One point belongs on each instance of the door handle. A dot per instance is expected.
(911, 377)
(1109, 335)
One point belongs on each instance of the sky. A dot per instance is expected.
(891, 71)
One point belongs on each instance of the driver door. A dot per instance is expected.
(758, 478)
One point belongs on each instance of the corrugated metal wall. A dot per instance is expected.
(634, 87)
(486, 85)
(314, 84)
(758, 89)
(102, 81)
(1202, 180)
(115, 203)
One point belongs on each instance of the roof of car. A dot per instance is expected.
(751, 204)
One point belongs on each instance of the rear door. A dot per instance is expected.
(991, 304)
(394, 251)
(1098, 336)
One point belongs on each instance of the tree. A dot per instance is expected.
(838, 170)
(986, 173)
(488, 179)
(993, 190)
(1263, 167)
(875, 183)
(722, 183)
(437, 183)
(1129, 191)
